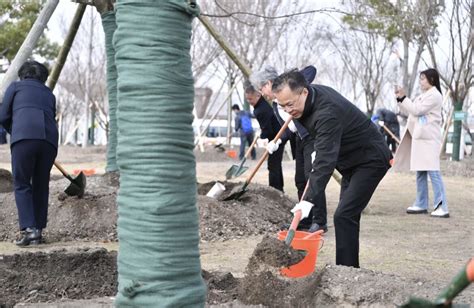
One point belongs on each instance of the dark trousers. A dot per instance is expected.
(3, 136)
(244, 139)
(357, 187)
(303, 150)
(275, 172)
(391, 143)
(32, 161)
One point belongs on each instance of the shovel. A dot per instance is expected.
(238, 170)
(243, 190)
(459, 283)
(78, 184)
(389, 132)
(296, 220)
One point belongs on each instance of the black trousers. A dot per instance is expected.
(357, 187)
(304, 149)
(244, 139)
(32, 161)
(275, 172)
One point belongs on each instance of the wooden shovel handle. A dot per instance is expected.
(251, 147)
(60, 168)
(391, 134)
(265, 155)
(296, 219)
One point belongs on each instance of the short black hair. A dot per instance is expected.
(33, 70)
(235, 107)
(293, 79)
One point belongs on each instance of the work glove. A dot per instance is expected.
(381, 123)
(305, 208)
(272, 146)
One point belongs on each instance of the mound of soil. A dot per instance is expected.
(48, 277)
(6, 181)
(274, 252)
(60, 275)
(91, 218)
(261, 210)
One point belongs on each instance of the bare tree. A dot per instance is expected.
(455, 63)
(365, 57)
(405, 20)
(82, 84)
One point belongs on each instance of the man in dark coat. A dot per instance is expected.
(390, 121)
(28, 114)
(269, 129)
(345, 139)
(302, 140)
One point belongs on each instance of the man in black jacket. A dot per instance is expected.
(345, 139)
(390, 121)
(269, 129)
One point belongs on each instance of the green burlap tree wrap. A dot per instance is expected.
(158, 260)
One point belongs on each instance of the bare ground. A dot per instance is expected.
(401, 254)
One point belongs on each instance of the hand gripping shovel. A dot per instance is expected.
(296, 219)
(238, 170)
(78, 184)
(459, 283)
(243, 190)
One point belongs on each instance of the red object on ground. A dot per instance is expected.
(87, 172)
(232, 153)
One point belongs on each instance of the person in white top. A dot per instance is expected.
(420, 146)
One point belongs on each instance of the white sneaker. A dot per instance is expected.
(440, 213)
(415, 209)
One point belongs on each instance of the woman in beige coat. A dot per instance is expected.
(420, 146)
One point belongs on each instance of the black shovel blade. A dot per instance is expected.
(77, 186)
(236, 195)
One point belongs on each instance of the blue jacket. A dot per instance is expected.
(28, 112)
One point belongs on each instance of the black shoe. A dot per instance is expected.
(316, 227)
(30, 236)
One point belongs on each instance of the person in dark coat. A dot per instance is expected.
(269, 129)
(303, 149)
(344, 139)
(390, 121)
(28, 114)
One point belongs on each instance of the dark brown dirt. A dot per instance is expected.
(112, 178)
(6, 181)
(262, 210)
(274, 252)
(91, 218)
(48, 277)
(84, 274)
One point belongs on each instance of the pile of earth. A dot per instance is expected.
(6, 181)
(261, 210)
(85, 274)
